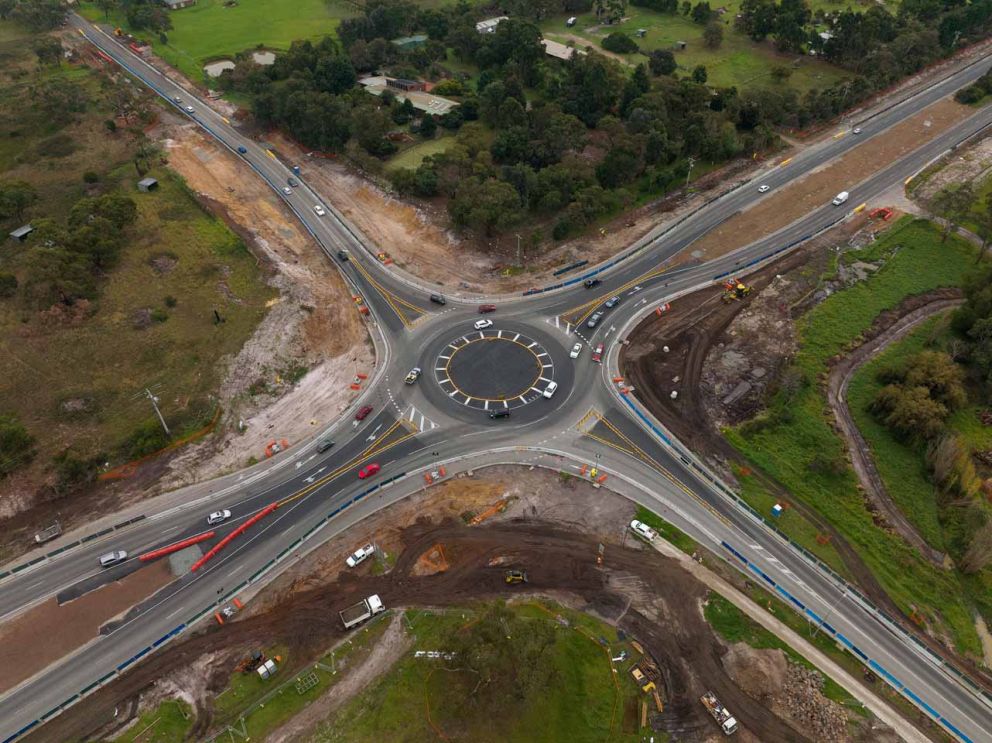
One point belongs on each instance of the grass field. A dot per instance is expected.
(578, 706)
(738, 62)
(412, 156)
(796, 432)
(72, 383)
(170, 722)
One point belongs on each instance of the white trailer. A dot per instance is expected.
(723, 717)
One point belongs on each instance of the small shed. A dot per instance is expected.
(410, 42)
(489, 25)
(680, 45)
(400, 84)
(177, 4)
(21, 233)
(147, 184)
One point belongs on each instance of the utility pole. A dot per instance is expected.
(692, 161)
(518, 249)
(154, 402)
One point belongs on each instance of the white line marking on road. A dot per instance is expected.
(543, 379)
(467, 398)
(532, 344)
(516, 337)
(169, 531)
(175, 612)
(521, 398)
(499, 334)
(547, 366)
(485, 405)
(304, 461)
(444, 357)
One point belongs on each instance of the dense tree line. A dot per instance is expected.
(63, 262)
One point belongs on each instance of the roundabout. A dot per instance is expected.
(494, 369)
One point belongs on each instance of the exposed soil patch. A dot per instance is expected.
(647, 594)
(48, 632)
(817, 188)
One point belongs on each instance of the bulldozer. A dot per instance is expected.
(515, 576)
(250, 663)
(735, 289)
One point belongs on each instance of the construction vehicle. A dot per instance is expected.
(735, 289)
(250, 663)
(643, 682)
(46, 535)
(515, 576)
(719, 713)
(118, 31)
(358, 613)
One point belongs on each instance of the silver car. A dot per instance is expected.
(594, 320)
(218, 517)
(112, 558)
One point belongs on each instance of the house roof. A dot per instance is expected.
(147, 182)
(23, 231)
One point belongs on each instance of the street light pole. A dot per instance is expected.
(692, 161)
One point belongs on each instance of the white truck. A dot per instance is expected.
(723, 718)
(840, 198)
(360, 555)
(361, 611)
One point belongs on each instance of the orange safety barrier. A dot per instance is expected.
(362, 376)
(128, 469)
(441, 471)
(601, 478)
(218, 617)
(583, 470)
(617, 379)
(270, 448)
(663, 308)
(177, 546)
(427, 478)
(233, 535)
(238, 604)
(356, 386)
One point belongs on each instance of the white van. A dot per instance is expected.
(571, 21)
(840, 198)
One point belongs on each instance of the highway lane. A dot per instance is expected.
(387, 298)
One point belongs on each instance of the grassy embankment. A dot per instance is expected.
(794, 442)
(579, 705)
(902, 464)
(72, 383)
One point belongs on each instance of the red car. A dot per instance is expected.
(597, 355)
(363, 412)
(484, 308)
(368, 471)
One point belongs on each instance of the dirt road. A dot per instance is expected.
(888, 328)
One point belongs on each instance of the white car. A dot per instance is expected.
(414, 375)
(857, 130)
(763, 188)
(643, 530)
(218, 517)
(319, 210)
(189, 109)
(361, 554)
(483, 324)
(550, 389)
(576, 350)
(112, 558)
(177, 99)
(287, 190)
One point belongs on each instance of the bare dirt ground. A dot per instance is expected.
(971, 165)
(313, 324)
(648, 595)
(818, 187)
(48, 632)
(908, 316)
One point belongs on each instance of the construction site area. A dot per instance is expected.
(557, 549)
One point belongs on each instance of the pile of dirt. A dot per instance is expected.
(792, 691)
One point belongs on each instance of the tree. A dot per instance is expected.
(702, 13)
(979, 553)
(6, 8)
(428, 126)
(609, 11)
(371, 124)
(909, 411)
(15, 197)
(983, 227)
(56, 275)
(59, 98)
(106, 6)
(713, 35)
(662, 62)
(16, 444)
(699, 74)
(619, 43)
(334, 75)
(119, 210)
(49, 50)
(508, 659)
(8, 285)
(40, 15)
(953, 203)
(486, 204)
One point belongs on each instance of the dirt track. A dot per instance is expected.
(668, 621)
(897, 324)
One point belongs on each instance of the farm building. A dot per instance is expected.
(147, 184)
(489, 25)
(21, 233)
(561, 51)
(177, 4)
(400, 84)
(432, 104)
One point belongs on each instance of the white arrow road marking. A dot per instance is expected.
(314, 475)
(304, 461)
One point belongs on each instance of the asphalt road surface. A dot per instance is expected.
(415, 428)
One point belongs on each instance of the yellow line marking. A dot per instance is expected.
(588, 308)
(653, 463)
(270, 154)
(785, 162)
(357, 460)
(391, 299)
(225, 120)
(838, 135)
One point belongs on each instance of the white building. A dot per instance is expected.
(489, 25)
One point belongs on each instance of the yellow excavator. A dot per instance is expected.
(735, 289)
